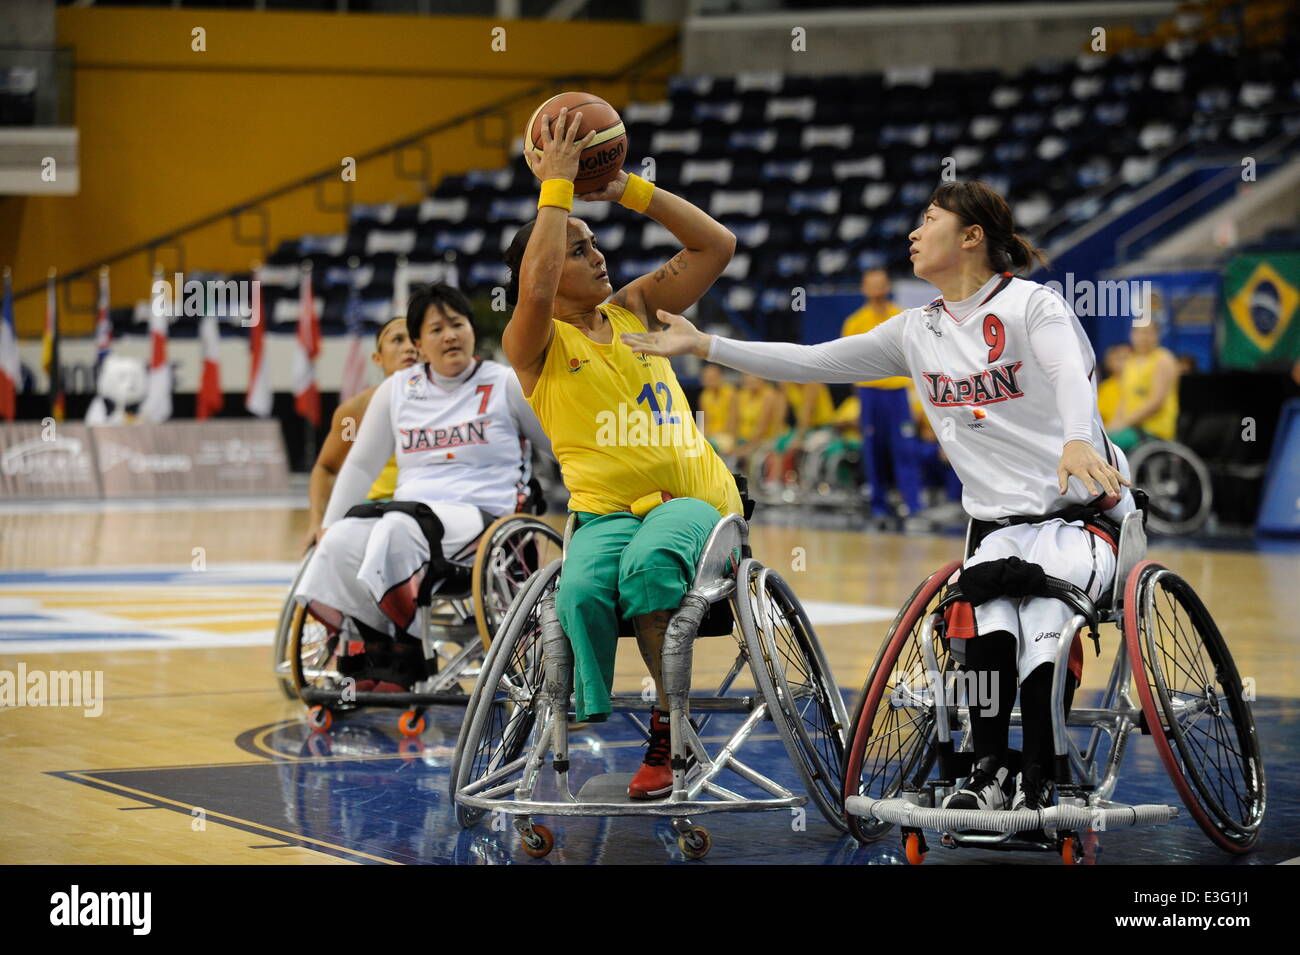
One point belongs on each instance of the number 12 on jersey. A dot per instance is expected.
(664, 416)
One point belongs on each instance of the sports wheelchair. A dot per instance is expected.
(458, 621)
(517, 722)
(910, 740)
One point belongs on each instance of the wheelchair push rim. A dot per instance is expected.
(1193, 700)
(283, 668)
(793, 674)
(508, 553)
(312, 651)
(913, 766)
(502, 713)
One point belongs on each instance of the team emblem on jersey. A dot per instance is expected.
(414, 386)
(642, 357)
(575, 364)
(983, 388)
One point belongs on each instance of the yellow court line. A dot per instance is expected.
(217, 614)
(151, 797)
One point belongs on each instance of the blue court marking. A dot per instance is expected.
(25, 616)
(354, 794)
(216, 577)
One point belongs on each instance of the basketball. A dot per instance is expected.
(601, 161)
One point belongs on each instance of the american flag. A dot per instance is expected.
(354, 365)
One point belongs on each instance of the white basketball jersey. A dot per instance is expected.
(461, 445)
(988, 399)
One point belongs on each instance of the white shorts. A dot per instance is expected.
(360, 559)
(1068, 551)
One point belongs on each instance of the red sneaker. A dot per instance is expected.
(387, 686)
(654, 779)
(365, 686)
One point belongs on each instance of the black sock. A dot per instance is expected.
(991, 657)
(1036, 716)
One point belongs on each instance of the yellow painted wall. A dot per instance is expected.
(169, 135)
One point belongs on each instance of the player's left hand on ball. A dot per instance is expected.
(1080, 459)
(612, 191)
(677, 336)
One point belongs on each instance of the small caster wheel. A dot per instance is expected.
(695, 842)
(538, 842)
(319, 719)
(914, 848)
(411, 723)
(1072, 851)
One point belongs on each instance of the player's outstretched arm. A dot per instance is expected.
(528, 334)
(876, 354)
(374, 445)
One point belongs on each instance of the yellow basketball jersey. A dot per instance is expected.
(715, 405)
(751, 410)
(385, 485)
(823, 412)
(620, 425)
(1108, 393)
(864, 320)
(1136, 381)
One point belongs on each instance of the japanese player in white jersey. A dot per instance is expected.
(462, 435)
(1007, 379)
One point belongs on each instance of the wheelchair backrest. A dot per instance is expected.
(1132, 550)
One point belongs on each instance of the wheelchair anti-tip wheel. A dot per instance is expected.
(502, 710)
(1195, 707)
(791, 670)
(893, 733)
(695, 842)
(538, 841)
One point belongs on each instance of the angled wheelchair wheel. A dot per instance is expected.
(892, 742)
(502, 710)
(509, 551)
(1177, 484)
(282, 663)
(1195, 706)
(794, 677)
(313, 652)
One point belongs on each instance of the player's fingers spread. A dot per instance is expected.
(546, 129)
(1062, 479)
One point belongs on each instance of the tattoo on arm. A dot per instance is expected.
(672, 267)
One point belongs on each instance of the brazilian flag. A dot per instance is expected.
(1259, 326)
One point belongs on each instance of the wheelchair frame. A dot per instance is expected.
(445, 619)
(1084, 804)
(509, 784)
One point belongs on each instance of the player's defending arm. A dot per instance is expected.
(326, 469)
(528, 334)
(373, 447)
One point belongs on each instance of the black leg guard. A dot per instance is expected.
(1036, 716)
(992, 658)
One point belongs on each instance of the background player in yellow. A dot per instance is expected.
(394, 351)
(718, 408)
(645, 485)
(1148, 401)
(889, 453)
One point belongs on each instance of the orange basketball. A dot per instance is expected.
(599, 162)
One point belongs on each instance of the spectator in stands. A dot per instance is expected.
(889, 455)
(1148, 403)
(394, 351)
(813, 411)
(760, 415)
(718, 406)
(1108, 391)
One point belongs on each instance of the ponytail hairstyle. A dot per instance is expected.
(974, 203)
(515, 260)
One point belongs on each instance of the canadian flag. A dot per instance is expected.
(157, 404)
(10, 365)
(258, 398)
(306, 396)
(210, 400)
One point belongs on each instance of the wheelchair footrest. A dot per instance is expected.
(904, 813)
(315, 695)
(609, 787)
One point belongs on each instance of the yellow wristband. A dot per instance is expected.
(557, 193)
(637, 193)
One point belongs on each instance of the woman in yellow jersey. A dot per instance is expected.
(645, 485)
(760, 414)
(718, 408)
(394, 351)
(1109, 389)
(1148, 401)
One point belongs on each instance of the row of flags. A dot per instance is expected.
(157, 404)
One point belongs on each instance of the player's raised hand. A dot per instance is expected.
(676, 336)
(1080, 459)
(612, 191)
(560, 147)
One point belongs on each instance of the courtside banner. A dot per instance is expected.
(47, 460)
(192, 457)
(1259, 326)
